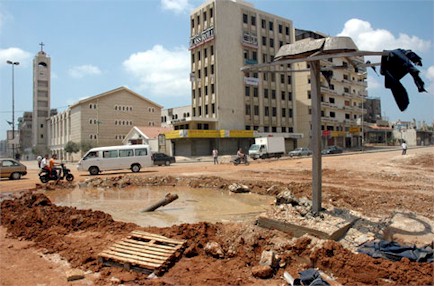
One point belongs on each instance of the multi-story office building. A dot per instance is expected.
(374, 111)
(230, 108)
(342, 96)
(25, 127)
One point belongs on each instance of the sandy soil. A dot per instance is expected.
(40, 241)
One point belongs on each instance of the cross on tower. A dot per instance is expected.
(42, 46)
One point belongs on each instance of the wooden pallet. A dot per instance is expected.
(144, 252)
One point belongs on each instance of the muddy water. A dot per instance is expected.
(192, 205)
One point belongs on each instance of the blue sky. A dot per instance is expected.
(97, 45)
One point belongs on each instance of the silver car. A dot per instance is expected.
(300, 151)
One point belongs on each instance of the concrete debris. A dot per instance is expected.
(74, 274)
(213, 249)
(238, 188)
(268, 258)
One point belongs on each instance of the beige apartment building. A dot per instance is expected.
(342, 100)
(101, 120)
(230, 108)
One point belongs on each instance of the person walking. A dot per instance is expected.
(404, 147)
(215, 154)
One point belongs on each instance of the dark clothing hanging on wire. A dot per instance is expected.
(394, 67)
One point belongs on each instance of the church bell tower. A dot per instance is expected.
(41, 100)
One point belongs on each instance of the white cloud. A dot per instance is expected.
(84, 70)
(177, 6)
(429, 74)
(14, 54)
(368, 38)
(161, 72)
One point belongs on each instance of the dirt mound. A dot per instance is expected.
(79, 235)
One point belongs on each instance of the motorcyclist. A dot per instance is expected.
(52, 165)
(241, 155)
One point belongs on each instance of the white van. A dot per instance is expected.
(100, 159)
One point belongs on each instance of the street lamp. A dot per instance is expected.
(13, 105)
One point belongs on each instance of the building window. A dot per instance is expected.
(270, 26)
(253, 21)
(283, 112)
(256, 111)
(255, 92)
(245, 18)
(263, 23)
(332, 114)
(266, 93)
(247, 110)
(247, 91)
(266, 111)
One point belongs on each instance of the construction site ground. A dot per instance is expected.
(41, 243)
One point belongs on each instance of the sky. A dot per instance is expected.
(96, 46)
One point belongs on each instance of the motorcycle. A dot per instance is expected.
(45, 176)
(239, 160)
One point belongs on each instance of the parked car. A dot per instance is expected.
(12, 169)
(332, 150)
(300, 151)
(162, 159)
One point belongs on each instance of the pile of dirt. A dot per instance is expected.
(79, 235)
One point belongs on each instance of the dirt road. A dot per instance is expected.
(371, 184)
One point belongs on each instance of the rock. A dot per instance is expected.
(263, 272)
(238, 188)
(115, 281)
(74, 274)
(214, 249)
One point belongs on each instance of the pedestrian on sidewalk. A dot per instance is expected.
(404, 147)
(215, 154)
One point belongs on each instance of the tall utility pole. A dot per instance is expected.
(313, 51)
(13, 105)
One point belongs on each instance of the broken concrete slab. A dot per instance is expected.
(297, 220)
(409, 228)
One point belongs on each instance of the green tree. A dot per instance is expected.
(85, 146)
(71, 147)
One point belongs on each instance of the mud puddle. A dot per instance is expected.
(192, 206)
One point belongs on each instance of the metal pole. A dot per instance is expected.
(362, 122)
(316, 131)
(13, 105)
